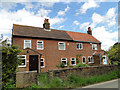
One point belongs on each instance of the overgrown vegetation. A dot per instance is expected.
(10, 63)
(73, 81)
(113, 53)
(77, 57)
(81, 65)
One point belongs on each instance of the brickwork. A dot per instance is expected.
(25, 79)
(81, 72)
(51, 54)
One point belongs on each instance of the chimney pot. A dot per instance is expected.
(89, 31)
(46, 24)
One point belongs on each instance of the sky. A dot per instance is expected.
(75, 16)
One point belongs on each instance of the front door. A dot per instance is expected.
(104, 59)
(33, 62)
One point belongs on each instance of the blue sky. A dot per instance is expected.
(102, 17)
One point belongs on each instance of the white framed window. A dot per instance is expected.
(23, 60)
(94, 46)
(40, 45)
(61, 45)
(27, 44)
(42, 63)
(73, 61)
(64, 60)
(79, 46)
(83, 59)
(90, 59)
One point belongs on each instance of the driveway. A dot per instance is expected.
(107, 84)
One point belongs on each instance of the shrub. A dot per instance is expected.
(10, 63)
(81, 65)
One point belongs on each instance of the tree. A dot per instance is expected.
(114, 52)
(10, 62)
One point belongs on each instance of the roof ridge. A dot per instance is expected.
(42, 28)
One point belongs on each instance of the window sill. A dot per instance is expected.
(61, 49)
(40, 49)
(22, 66)
(90, 62)
(73, 64)
(42, 66)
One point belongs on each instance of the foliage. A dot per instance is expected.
(73, 81)
(81, 65)
(113, 53)
(61, 65)
(10, 63)
(77, 57)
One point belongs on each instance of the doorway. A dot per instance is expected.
(33, 62)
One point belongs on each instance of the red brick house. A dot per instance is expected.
(55, 46)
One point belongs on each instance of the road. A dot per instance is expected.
(107, 84)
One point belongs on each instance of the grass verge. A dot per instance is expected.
(73, 81)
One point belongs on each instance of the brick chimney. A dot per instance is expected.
(46, 24)
(89, 31)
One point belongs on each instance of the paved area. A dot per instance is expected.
(108, 84)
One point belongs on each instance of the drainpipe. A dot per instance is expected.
(100, 58)
(40, 63)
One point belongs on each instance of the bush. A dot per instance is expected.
(81, 65)
(10, 63)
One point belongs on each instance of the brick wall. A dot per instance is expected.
(24, 79)
(81, 72)
(51, 54)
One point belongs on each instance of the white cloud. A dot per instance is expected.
(88, 5)
(107, 38)
(61, 26)
(61, 13)
(109, 18)
(43, 13)
(56, 20)
(84, 26)
(23, 17)
(76, 22)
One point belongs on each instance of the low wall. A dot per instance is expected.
(24, 79)
(81, 71)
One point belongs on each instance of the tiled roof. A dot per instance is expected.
(29, 31)
(82, 37)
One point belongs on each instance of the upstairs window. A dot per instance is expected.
(42, 62)
(94, 46)
(27, 44)
(73, 61)
(22, 60)
(61, 45)
(79, 46)
(40, 45)
(90, 60)
(64, 60)
(83, 60)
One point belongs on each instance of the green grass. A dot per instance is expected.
(72, 81)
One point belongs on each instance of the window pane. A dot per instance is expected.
(27, 41)
(27, 45)
(80, 46)
(23, 62)
(64, 62)
(89, 59)
(40, 45)
(64, 59)
(42, 64)
(61, 46)
(77, 46)
(73, 59)
(72, 62)
(83, 60)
